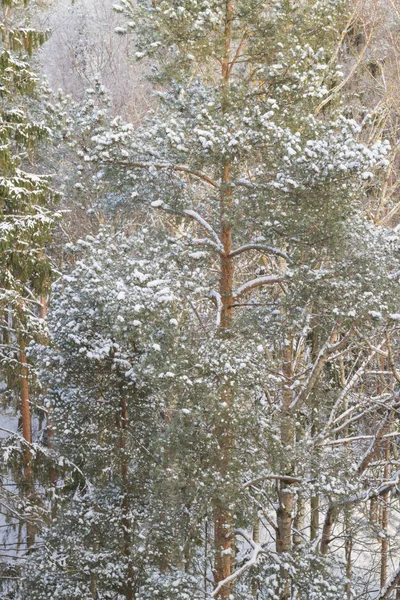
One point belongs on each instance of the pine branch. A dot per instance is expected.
(257, 550)
(284, 478)
(196, 217)
(254, 283)
(167, 166)
(261, 248)
(218, 301)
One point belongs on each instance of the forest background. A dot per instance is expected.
(199, 300)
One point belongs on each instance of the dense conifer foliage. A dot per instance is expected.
(26, 220)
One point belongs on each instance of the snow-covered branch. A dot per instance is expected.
(381, 490)
(254, 283)
(196, 217)
(261, 248)
(257, 550)
(284, 478)
(357, 438)
(328, 348)
(218, 300)
(390, 585)
(350, 384)
(370, 453)
(167, 166)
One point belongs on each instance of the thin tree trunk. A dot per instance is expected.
(7, 319)
(299, 520)
(49, 425)
(126, 523)
(223, 524)
(386, 496)
(43, 307)
(373, 511)
(285, 493)
(314, 520)
(385, 520)
(19, 537)
(205, 574)
(27, 435)
(255, 586)
(25, 407)
(348, 551)
(93, 578)
(314, 500)
(327, 528)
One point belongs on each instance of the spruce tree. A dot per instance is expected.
(26, 221)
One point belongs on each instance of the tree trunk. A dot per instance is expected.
(205, 562)
(299, 521)
(385, 520)
(373, 511)
(284, 518)
(328, 528)
(27, 435)
(314, 500)
(348, 551)
(314, 520)
(386, 496)
(25, 407)
(223, 522)
(285, 494)
(49, 424)
(224, 547)
(126, 523)
(93, 579)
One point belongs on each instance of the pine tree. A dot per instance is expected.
(111, 313)
(238, 150)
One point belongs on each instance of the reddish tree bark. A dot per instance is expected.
(27, 435)
(223, 524)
